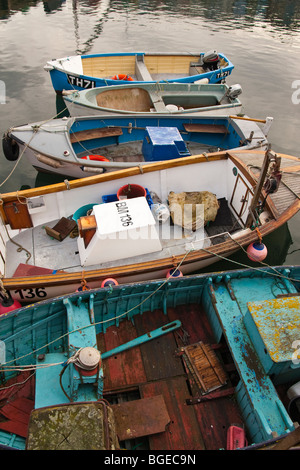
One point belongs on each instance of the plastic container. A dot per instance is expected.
(113, 197)
(82, 211)
(236, 438)
(172, 108)
(160, 212)
(131, 191)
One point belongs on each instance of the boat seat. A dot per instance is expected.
(141, 71)
(95, 134)
(69, 426)
(196, 68)
(158, 102)
(209, 128)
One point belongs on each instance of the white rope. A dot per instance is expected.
(27, 145)
(17, 383)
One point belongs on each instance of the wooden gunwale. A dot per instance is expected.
(109, 176)
(113, 175)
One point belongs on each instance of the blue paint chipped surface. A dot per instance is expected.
(259, 401)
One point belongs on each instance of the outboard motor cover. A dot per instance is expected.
(211, 60)
(234, 91)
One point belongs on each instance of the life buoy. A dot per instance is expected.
(97, 158)
(122, 76)
(10, 148)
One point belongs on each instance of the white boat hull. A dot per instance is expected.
(79, 110)
(49, 292)
(50, 147)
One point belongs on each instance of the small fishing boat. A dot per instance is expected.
(138, 224)
(82, 146)
(94, 70)
(211, 371)
(161, 98)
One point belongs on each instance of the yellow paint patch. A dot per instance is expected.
(278, 323)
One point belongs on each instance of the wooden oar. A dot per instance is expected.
(248, 119)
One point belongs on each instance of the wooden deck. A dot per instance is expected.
(157, 368)
(289, 189)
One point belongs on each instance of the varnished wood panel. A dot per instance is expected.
(95, 134)
(105, 67)
(17, 214)
(169, 63)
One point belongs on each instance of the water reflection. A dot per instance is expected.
(10, 7)
(51, 6)
(96, 8)
(242, 13)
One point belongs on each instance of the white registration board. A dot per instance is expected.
(125, 229)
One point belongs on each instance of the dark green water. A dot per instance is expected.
(262, 39)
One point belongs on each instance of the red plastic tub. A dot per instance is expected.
(131, 190)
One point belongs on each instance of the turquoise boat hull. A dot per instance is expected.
(237, 309)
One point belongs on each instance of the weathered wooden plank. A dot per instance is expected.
(183, 432)
(139, 418)
(210, 128)
(214, 418)
(17, 214)
(159, 354)
(95, 134)
(125, 368)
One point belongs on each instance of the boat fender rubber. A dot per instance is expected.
(109, 282)
(122, 76)
(174, 273)
(10, 148)
(90, 169)
(9, 304)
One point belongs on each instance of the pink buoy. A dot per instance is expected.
(7, 305)
(109, 282)
(174, 272)
(257, 251)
